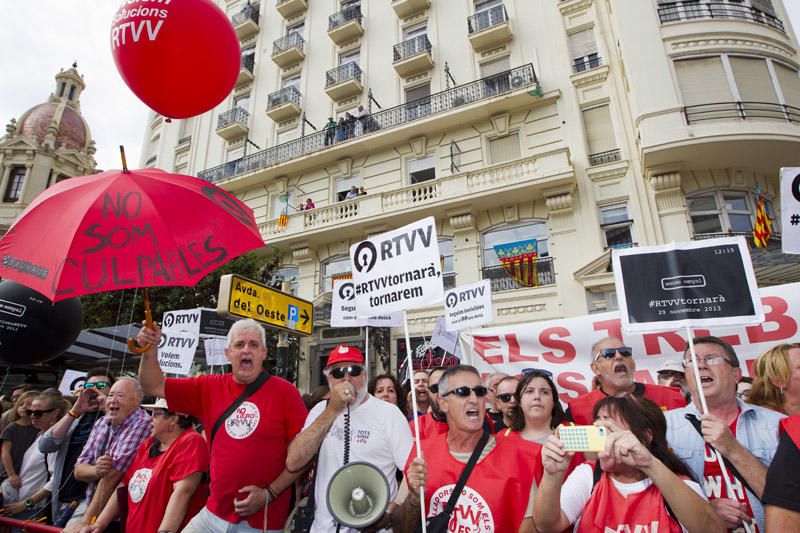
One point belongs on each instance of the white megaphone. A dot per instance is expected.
(358, 495)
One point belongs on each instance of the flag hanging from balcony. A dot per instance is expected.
(283, 219)
(763, 227)
(519, 261)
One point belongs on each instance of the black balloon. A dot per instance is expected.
(32, 328)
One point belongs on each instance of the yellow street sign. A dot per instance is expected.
(242, 298)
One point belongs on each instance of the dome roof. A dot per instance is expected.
(72, 132)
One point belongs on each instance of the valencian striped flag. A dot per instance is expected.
(283, 219)
(519, 261)
(763, 227)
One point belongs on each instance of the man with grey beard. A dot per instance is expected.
(377, 431)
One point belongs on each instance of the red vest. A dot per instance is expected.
(428, 427)
(497, 492)
(791, 426)
(665, 397)
(607, 509)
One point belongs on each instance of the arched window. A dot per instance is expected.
(333, 268)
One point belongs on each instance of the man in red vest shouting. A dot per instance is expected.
(613, 364)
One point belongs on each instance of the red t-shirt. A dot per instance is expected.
(250, 446)
(715, 486)
(150, 480)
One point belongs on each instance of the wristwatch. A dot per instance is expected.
(29, 504)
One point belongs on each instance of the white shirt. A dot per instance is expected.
(32, 473)
(379, 435)
(577, 490)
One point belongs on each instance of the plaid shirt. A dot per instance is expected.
(121, 443)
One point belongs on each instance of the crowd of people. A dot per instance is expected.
(245, 452)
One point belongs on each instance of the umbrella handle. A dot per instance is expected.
(133, 346)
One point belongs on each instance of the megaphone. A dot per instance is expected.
(358, 495)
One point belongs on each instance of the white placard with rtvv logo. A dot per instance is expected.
(468, 306)
(343, 309)
(790, 210)
(397, 270)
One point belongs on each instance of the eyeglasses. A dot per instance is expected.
(39, 412)
(464, 392)
(353, 370)
(505, 397)
(716, 360)
(609, 353)
(434, 388)
(538, 372)
(100, 385)
(160, 412)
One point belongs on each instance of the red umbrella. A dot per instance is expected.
(125, 229)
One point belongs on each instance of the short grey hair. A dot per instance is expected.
(489, 377)
(243, 325)
(453, 370)
(137, 387)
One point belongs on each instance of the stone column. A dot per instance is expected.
(671, 205)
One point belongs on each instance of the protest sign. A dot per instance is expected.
(215, 351)
(73, 379)
(186, 320)
(468, 306)
(343, 309)
(176, 352)
(790, 210)
(397, 270)
(700, 283)
(563, 346)
(444, 339)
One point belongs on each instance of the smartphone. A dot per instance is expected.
(583, 438)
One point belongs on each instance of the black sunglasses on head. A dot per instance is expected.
(39, 412)
(464, 392)
(353, 370)
(539, 372)
(505, 397)
(609, 353)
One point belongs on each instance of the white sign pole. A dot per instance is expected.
(366, 351)
(416, 415)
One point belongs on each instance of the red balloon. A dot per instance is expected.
(180, 57)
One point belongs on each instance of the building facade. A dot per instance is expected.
(581, 124)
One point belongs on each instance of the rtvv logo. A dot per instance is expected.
(367, 253)
(347, 291)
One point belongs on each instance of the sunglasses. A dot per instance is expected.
(464, 392)
(434, 388)
(609, 353)
(505, 397)
(39, 412)
(353, 370)
(717, 360)
(100, 385)
(538, 372)
(160, 412)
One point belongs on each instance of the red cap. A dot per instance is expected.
(345, 354)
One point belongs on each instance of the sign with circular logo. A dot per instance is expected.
(137, 486)
(243, 421)
(472, 513)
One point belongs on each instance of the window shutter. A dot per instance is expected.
(764, 5)
(504, 148)
(423, 91)
(495, 67)
(790, 84)
(582, 43)
(599, 130)
(703, 81)
(753, 80)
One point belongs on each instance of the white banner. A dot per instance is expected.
(186, 320)
(73, 379)
(215, 351)
(563, 346)
(703, 283)
(468, 306)
(790, 210)
(446, 340)
(176, 352)
(397, 270)
(343, 309)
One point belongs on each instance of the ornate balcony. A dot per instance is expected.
(489, 28)
(680, 11)
(413, 56)
(343, 81)
(602, 158)
(245, 22)
(501, 281)
(291, 8)
(246, 70)
(232, 124)
(406, 8)
(288, 50)
(284, 104)
(345, 25)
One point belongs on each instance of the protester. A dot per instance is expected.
(383, 441)
(8, 403)
(434, 421)
(164, 485)
(248, 453)
(29, 500)
(671, 374)
(642, 485)
(506, 400)
(492, 407)
(330, 131)
(17, 437)
(614, 366)
(745, 435)
(498, 492)
(537, 411)
(777, 379)
(67, 438)
(782, 490)
(384, 387)
(420, 390)
(743, 388)
(112, 446)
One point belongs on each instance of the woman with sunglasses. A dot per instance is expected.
(16, 438)
(164, 488)
(637, 484)
(29, 500)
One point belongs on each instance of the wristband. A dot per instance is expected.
(73, 415)
(272, 494)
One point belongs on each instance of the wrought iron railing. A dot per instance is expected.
(411, 47)
(286, 95)
(342, 73)
(501, 281)
(288, 41)
(676, 11)
(151, 160)
(741, 111)
(345, 15)
(248, 12)
(486, 19)
(482, 89)
(449, 280)
(249, 62)
(582, 64)
(602, 158)
(185, 140)
(237, 114)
